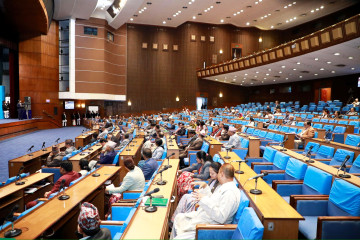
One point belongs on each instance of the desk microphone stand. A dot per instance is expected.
(344, 175)
(13, 232)
(63, 196)
(227, 154)
(309, 160)
(128, 149)
(168, 165)
(151, 208)
(239, 171)
(255, 190)
(161, 182)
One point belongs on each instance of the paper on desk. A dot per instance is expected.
(30, 190)
(144, 201)
(111, 186)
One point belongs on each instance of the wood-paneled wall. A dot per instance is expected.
(100, 64)
(39, 71)
(156, 77)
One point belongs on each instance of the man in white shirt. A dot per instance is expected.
(234, 140)
(214, 208)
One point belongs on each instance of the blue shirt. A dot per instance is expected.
(108, 158)
(149, 168)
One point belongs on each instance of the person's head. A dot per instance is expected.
(252, 119)
(191, 133)
(95, 135)
(221, 125)
(65, 167)
(356, 99)
(88, 220)
(126, 136)
(278, 110)
(202, 123)
(69, 143)
(336, 113)
(129, 163)
(231, 131)
(226, 173)
(291, 118)
(276, 102)
(161, 134)
(307, 124)
(216, 127)
(202, 157)
(352, 109)
(157, 127)
(226, 128)
(103, 141)
(158, 142)
(147, 153)
(84, 164)
(324, 111)
(202, 134)
(214, 170)
(55, 150)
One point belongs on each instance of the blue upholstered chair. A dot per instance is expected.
(243, 150)
(338, 134)
(339, 157)
(191, 159)
(54, 170)
(315, 182)
(295, 170)
(117, 228)
(355, 168)
(352, 140)
(336, 216)
(279, 163)
(249, 227)
(315, 148)
(324, 152)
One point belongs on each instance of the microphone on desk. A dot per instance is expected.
(10, 217)
(162, 182)
(43, 146)
(343, 166)
(57, 140)
(308, 154)
(151, 208)
(283, 149)
(227, 152)
(18, 177)
(29, 150)
(169, 166)
(240, 161)
(255, 190)
(63, 196)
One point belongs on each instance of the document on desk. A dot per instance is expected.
(30, 190)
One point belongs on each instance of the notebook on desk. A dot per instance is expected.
(161, 202)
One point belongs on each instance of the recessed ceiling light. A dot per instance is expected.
(272, 27)
(241, 84)
(247, 24)
(164, 22)
(352, 68)
(316, 74)
(274, 80)
(332, 71)
(262, 81)
(312, 11)
(286, 78)
(350, 58)
(251, 83)
(300, 76)
(211, 6)
(269, 69)
(255, 76)
(294, 69)
(298, 63)
(243, 81)
(256, 2)
(131, 19)
(222, 20)
(322, 69)
(246, 74)
(205, 10)
(257, 71)
(267, 74)
(337, 54)
(264, 78)
(194, 17)
(316, 59)
(280, 72)
(282, 66)
(328, 62)
(216, 79)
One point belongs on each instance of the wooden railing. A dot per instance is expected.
(341, 32)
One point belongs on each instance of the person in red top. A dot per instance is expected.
(66, 170)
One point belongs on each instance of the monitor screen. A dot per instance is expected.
(69, 105)
(93, 108)
(359, 82)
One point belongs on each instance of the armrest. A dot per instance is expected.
(260, 163)
(273, 171)
(323, 159)
(42, 199)
(215, 226)
(208, 232)
(295, 198)
(102, 222)
(325, 223)
(279, 182)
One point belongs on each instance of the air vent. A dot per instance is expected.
(253, 80)
(218, 2)
(249, 6)
(303, 15)
(340, 65)
(276, 76)
(135, 15)
(148, 3)
(277, 10)
(169, 19)
(199, 14)
(184, 7)
(279, 24)
(228, 17)
(304, 71)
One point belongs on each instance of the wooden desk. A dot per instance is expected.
(144, 225)
(172, 147)
(89, 154)
(254, 145)
(116, 133)
(31, 163)
(61, 216)
(289, 143)
(335, 145)
(13, 194)
(318, 164)
(83, 139)
(214, 145)
(96, 128)
(133, 150)
(269, 206)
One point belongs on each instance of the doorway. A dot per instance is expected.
(325, 94)
(201, 103)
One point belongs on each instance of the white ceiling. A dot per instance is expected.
(268, 14)
(283, 71)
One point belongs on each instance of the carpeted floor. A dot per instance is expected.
(17, 146)
(10, 120)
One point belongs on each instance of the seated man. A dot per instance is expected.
(148, 166)
(193, 145)
(89, 223)
(55, 157)
(172, 125)
(192, 136)
(107, 156)
(214, 208)
(352, 112)
(94, 137)
(124, 142)
(234, 140)
(103, 142)
(66, 170)
(181, 130)
(290, 121)
(308, 132)
(103, 133)
(159, 150)
(69, 144)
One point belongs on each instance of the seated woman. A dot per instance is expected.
(199, 170)
(188, 202)
(84, 166)
(133, 181)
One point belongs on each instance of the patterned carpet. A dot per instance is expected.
(17, 146)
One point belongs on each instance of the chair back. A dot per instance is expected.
(315, 148)
(281, 160)
(339, 129)
(346, 197)
(244, 202)
(316, 181)
(355, 168)
(245, 143)
(352, 140)
(205, 147)
(269, 154)
(295, 169)
(249, 226)
(340, 155)
(325, 152)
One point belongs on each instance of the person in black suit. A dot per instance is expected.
(20, 109)
(64, 120)
(78, 119)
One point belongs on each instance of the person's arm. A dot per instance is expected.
(56, 187)
(125, 185)
(204, 175)
(190, 168)
(219, 212)
(105, 159)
